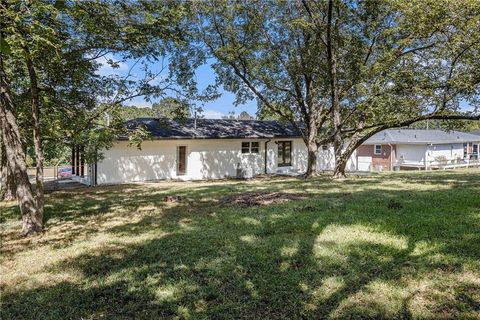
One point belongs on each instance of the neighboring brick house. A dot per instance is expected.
(376, 156)
(416, 148)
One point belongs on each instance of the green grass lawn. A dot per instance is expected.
(403, 245)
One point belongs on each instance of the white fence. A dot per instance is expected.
(447, 164)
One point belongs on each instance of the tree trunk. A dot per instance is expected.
(342, 159)
(37, 140)
(31, 216)
(311, 160)
(341, 165)
(7, 183)
(340, 162)
(312, 148)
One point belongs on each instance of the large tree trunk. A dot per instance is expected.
(31, 216)
(312, 149)
(355, 141)
(341, 161)
(7, 183)
(37, 140)
(334, 98)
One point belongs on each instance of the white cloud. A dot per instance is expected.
(106, 69)
(213, 114)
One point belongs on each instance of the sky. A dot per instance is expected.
(215, 109)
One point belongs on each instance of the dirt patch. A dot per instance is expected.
(395, 205)
(262, 198)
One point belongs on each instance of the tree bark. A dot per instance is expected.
(312, 146)
(340, 166)
(7, 183)
(37, 138)
(342, 160)
(312, 149)
(31, 216)
(334, 99)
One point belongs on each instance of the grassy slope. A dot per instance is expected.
(391, 245)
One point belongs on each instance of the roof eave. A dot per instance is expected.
(123, 138)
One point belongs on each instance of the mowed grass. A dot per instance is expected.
(404, 245)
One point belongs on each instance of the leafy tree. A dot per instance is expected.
(230, 116)
(342, 70)
(393, 63)
(266, 50)
(132, 112)
(242, 116)
(245, 116)
(173, 108)
(50, 91)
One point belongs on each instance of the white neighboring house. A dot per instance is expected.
(418, 149)
(205, 149)
(214, 149)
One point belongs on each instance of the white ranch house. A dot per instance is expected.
(215, 149)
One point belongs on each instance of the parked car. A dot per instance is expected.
(64, 172)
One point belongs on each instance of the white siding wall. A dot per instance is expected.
(416, 154)
(449, 151)
(364, 163)
(326, 160)
(206, 159)
(409, 153)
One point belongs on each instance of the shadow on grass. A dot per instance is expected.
(342, 254)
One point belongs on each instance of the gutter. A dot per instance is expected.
(123, 138)
(266, 153)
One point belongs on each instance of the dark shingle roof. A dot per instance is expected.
(214, 128)
(421, 136)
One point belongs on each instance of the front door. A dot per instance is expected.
(181, 160)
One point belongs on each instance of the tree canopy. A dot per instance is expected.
(52, 92)
(345, 69)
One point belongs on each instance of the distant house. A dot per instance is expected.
(220, 148)
(416, 148)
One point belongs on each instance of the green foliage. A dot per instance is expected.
(173, 108)
(242, 116)
(403, 60)
(132, 112)
(138, 135)
(264, 50)
(396, 61)
(65, 39)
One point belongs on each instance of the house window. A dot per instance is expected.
(284, 153)
(250, 147)
(245, 147)
(254, 147)
(378, 149)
